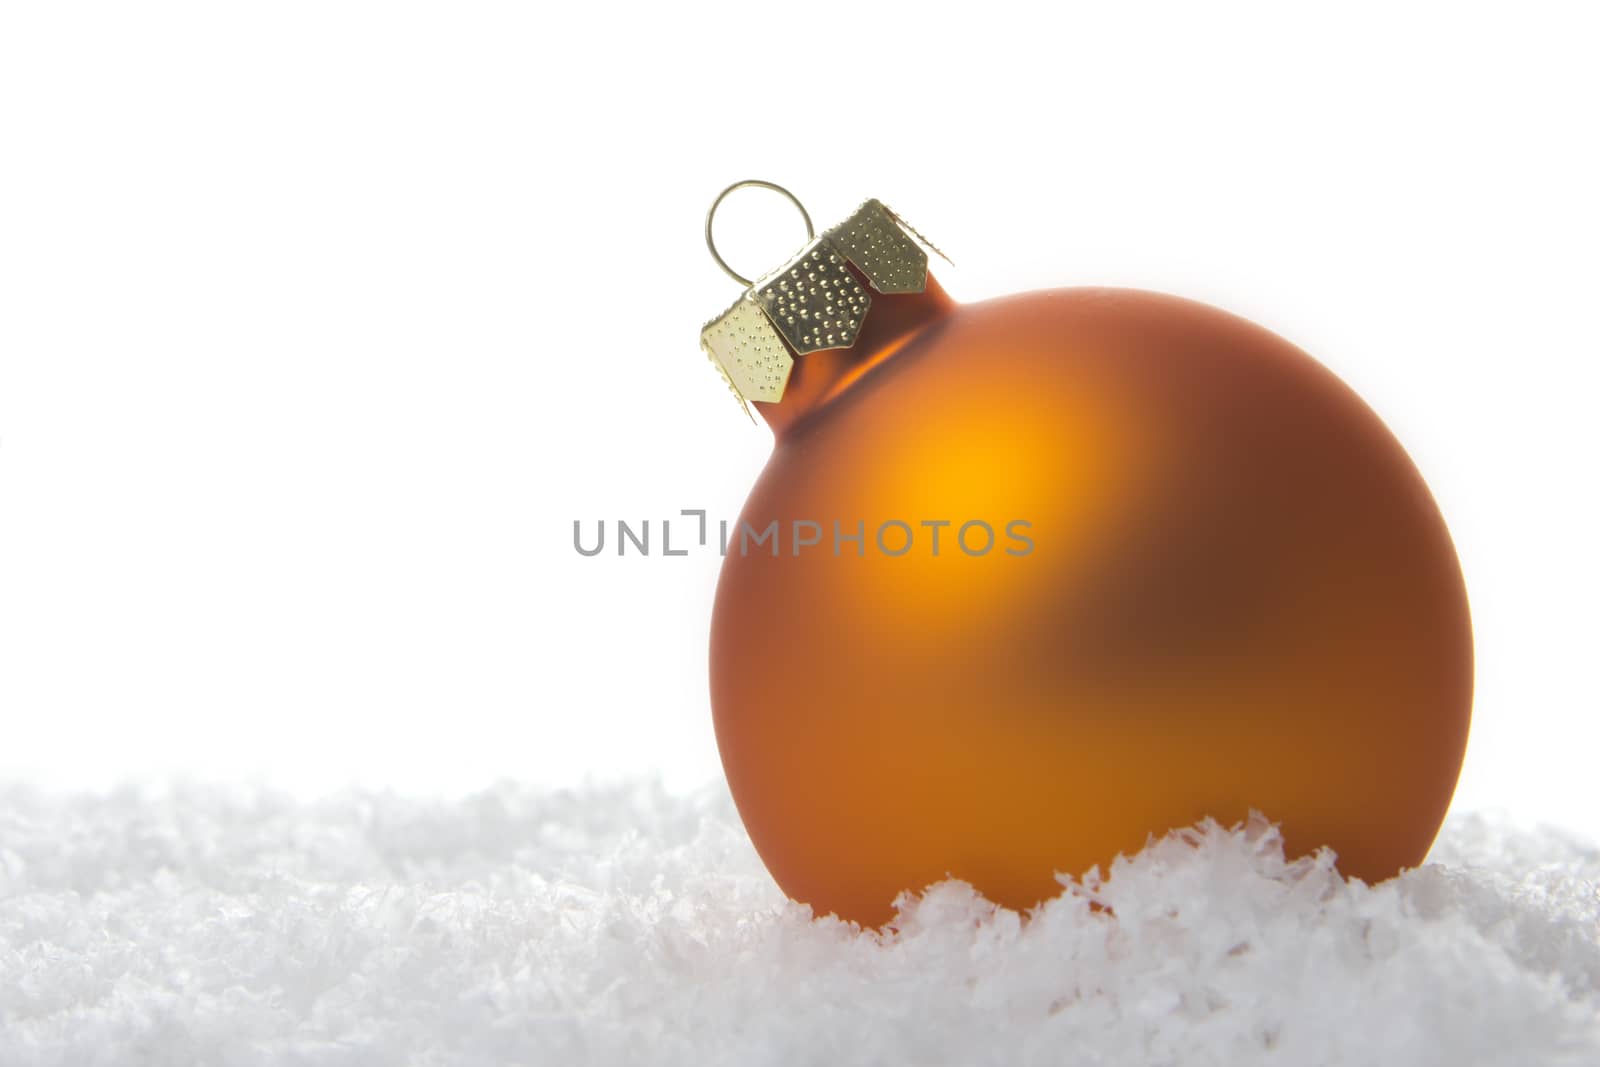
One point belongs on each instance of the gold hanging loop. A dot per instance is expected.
(758, 184)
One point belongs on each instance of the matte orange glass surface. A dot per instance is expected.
(1239, 595)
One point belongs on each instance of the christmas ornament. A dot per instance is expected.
(1027, 581)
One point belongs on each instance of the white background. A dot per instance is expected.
(320, 323)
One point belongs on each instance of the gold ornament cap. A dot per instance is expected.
(813, 301)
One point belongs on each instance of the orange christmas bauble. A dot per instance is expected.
(1056, 572)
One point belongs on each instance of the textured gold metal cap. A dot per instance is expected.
(813, 301)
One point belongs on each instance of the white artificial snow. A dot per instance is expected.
(623, 925)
